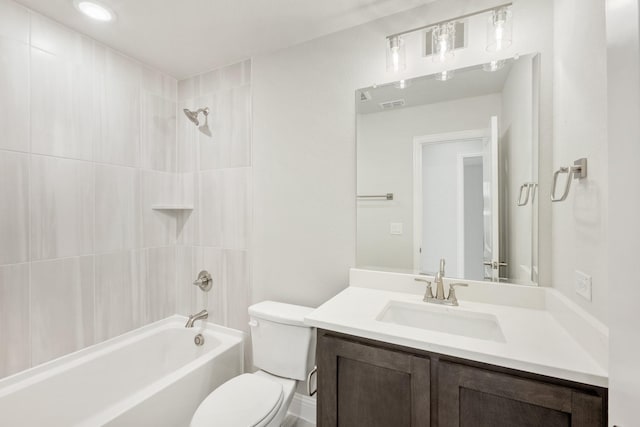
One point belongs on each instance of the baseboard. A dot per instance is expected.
(304, 407)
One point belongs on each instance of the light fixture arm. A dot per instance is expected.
(458, 18)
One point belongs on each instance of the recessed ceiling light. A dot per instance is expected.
(95, 10)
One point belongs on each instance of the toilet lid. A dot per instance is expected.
(244, 401)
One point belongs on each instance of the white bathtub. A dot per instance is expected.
(153, 376)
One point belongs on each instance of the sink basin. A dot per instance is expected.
(449, 320)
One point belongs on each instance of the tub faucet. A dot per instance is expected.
(198, 316)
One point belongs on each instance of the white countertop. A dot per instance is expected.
(535, 341)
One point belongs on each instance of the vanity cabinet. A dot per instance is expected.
(369, 383)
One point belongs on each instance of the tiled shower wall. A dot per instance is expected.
(87, 145)
(214, 161)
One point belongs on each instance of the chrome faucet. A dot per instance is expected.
(439, 284)
(439, 298)
(198, 316)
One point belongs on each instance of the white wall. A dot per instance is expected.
(87, 145)
(384, 157)
(304, 136)
(580, 130)
(623, 68)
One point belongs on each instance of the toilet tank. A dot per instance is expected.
(282, 344)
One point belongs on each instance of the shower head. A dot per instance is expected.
(193, 115)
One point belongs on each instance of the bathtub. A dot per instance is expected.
(152, 376)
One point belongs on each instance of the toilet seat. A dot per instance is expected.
(247, 400)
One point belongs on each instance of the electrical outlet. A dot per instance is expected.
(583, 285)
(395, 228)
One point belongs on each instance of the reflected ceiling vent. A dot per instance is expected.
(365, 96)
(397, 103)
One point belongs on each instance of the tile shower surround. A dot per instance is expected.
(89, 140)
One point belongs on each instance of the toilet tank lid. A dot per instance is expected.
(288, 314)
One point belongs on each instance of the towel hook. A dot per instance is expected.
(577, 171)
(529, 189)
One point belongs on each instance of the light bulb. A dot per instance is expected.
(396, 60)
(499, 29)
(443, 41)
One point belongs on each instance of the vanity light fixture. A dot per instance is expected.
(95, 10)
(499, 29)
(443, 36)
(494, 65)
(396, 55)
(443, 41)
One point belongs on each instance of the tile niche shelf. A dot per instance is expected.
(172, 207)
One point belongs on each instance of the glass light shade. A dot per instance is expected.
(396, 55)
(445, 75)
(499, 29)
(443, 41)
(494, 65)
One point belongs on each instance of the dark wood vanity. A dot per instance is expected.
(369, 383)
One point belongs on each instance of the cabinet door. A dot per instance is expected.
(361, 385)
(469, 396)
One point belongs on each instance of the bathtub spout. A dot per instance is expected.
(198, 316)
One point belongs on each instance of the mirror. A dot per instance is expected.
(448, 168)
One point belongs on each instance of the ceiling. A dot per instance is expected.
(186, 37)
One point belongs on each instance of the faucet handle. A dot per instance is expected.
(452, 292)
(428, 294)
(204, 281)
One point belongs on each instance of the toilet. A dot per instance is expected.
(284, 353)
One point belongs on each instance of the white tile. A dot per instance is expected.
(120, 303)
(229, 142)
(14, 319)
(213, 138)
(188, 88)
(61, 307)
(187, 139)
(14, 21)
(192, 260)
(209, 82)
(160, 283)
(159, 226)
(158, 133)
(63, 118)
(203, 225)
(59, 40)
(14, 94)
(118, 213)
(62, 207)
(232, 76)
(236, 208)
(14, 209)
(210, 216)
(238, 151)
(237, 279)
(117, 91)
(160, 84)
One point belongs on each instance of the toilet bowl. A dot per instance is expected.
(284, 350)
